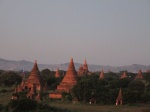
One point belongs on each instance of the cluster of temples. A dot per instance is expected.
(34, 84)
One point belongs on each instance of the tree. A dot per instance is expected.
(22, 105)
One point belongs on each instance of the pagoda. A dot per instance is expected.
(124, 75)
(83, 69)
(119, 98)
(101, 75)
(57, 73)
(67, 82)
(33, 84)
(139, 75)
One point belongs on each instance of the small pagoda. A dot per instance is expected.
(67, 82)
(119, 99)
(101, 76)
(33, 85)
(57, 73)
(139, 75)
(124, 75)
(83, 69)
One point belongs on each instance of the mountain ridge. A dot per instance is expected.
(27, 65)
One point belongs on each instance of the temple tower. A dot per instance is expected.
(69, 79)
(33, 84)
(85, 66)
(101, 75)
(139, 75)
(57, 73)
(119, 98)
(124, 75)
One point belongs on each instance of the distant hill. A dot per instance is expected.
(27, 65)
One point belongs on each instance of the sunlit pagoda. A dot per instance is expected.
(124, 75)
(83, 69)
(33, 85)
(119, 99)
(67, 82)
(139, 75)
(101, 76)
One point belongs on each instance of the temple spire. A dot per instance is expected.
(119, 98)
(57, 73)
(139, 75)
(101, 75)
(124, 75)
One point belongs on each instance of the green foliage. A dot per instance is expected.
(137, 85)
(22, 105)
(9, 78)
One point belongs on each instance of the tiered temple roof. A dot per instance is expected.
(85, 66)
(139, 75)
(57, 73)
(101, 75)
(69, 79)
(33, 84)
(124, 75)
(83, 69)
(67, 82)
(119, 98)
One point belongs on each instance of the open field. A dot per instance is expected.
(104, 108)
(5, 98)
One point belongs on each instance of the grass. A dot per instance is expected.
(99, 108)
(5, 98)
(78, 107)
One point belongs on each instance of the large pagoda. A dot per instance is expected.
(33, 85)
(67, 82)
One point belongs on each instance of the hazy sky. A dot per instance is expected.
(105, 32)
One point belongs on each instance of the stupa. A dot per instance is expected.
(139, 75)
(33, 84)
(124, 75)
(101, 75)
(83, 69)
(57, 73)
(67, 82)
(119, 98)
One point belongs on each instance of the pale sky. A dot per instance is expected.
(105, 32)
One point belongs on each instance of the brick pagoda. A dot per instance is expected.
(119, 98)
(124, 75)
(139, 75)
(67, 82)
(57, 73)
(33, 85)
(101, 76)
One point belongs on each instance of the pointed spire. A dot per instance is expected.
(71, 72)
(101, 75)
(139, 75)
(57, 73)
(35, 67)
(124, 75)
(69, 79)
(71, 60)
(85, 66)
(119, 97)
